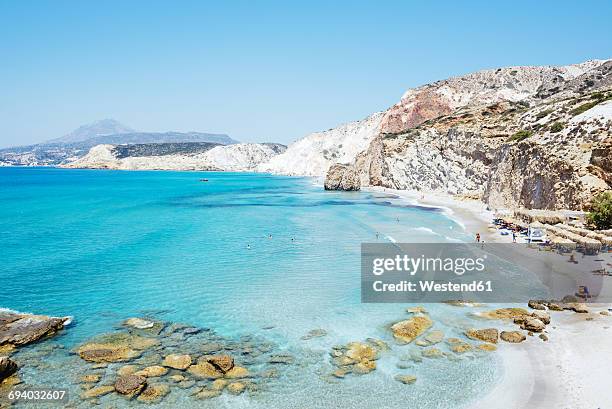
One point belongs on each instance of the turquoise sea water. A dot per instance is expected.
(103, 246)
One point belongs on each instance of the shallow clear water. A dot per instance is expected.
(103, 246)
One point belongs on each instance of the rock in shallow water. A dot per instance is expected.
(18, 329)
(487, 334)
(177, 361)
(406, 379)
(406, 331)
(513, 336)
(130, 384)
(7, 367)
(97, 391)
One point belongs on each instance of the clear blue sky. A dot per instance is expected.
(261, 70)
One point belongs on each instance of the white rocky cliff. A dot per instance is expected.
(182, 156)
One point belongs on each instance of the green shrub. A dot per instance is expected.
(520, 135)
(601, 211)
(584, 107)
(556, 127)
(542, 114)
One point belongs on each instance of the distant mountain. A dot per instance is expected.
(95, 129)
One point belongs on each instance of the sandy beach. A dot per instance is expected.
(567, 371)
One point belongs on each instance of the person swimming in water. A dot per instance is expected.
(248, 247)
(269, 236)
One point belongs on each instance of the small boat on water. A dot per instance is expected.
(203, 180)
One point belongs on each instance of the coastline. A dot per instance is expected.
(567, 370)
(472, 215)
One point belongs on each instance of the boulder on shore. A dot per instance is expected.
(342, 177)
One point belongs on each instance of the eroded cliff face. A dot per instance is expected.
(535, 137)
(549, 156)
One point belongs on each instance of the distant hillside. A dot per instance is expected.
(77, 143)
(160, 137)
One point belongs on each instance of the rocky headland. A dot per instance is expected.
(533, 137)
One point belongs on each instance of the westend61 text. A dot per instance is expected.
(432, 286)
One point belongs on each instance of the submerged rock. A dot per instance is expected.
(130, 384)
(90, 378)
(406, 379)
(18, 329)
(315, 333)
(237, 372)
(97, 391)
(127, 370)
(358, 351)
(236, 388)
(222, 362)
(503, 313)
(207, 394)
(406, 331)
(205, 370)
(139, 323)
(431, 338)
(432, 353)
(281, 359)
(154, 392)
(115, 347)
(152, 371)
(176, 361)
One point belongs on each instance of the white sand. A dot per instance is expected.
(570, 371)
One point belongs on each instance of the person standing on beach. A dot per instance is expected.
(513, 236)
(477, 237)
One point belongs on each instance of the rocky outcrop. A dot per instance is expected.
(17, 329)
(342, 177)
